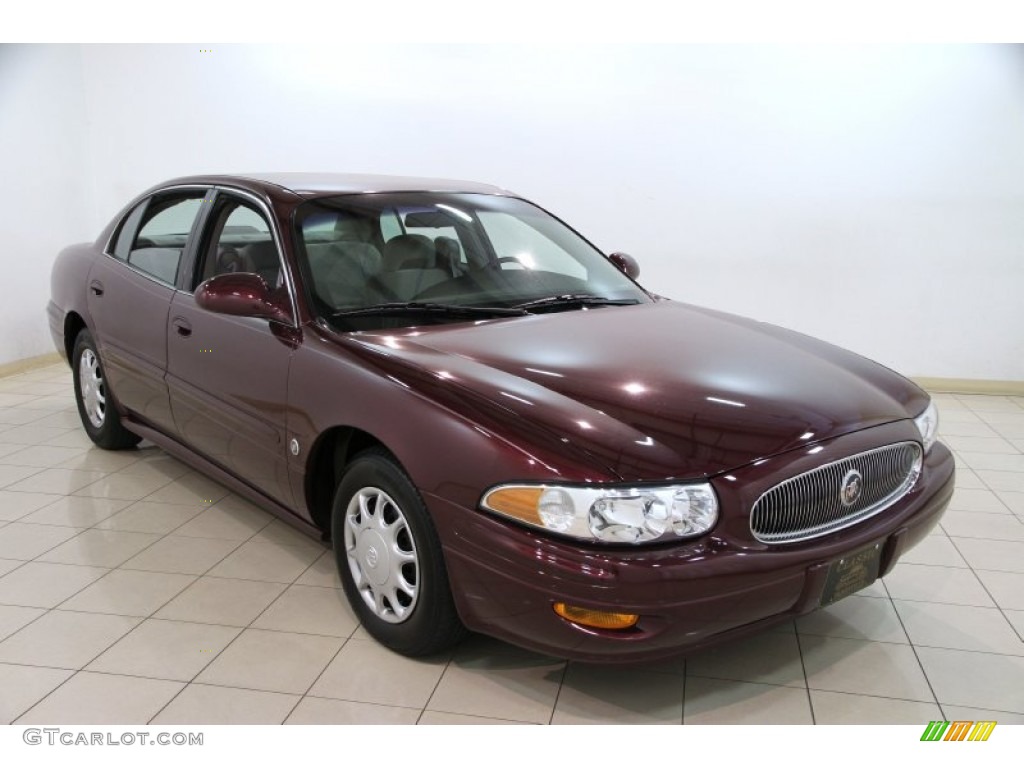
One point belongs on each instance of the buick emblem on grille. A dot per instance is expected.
(851, 487)
(836, 495)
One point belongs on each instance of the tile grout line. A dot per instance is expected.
(558, 692)
(686, 677)
(508, 720)
(803, 668)
(192, 680)
(998, 607)
(980, 581)
(913, 648)
(433, 691)
(107, 648)
(273, 602)
(77, 671)
(118, 639)
(295, 581)
(242, 630)
(302, 696)
(27, 477)
(170, 621)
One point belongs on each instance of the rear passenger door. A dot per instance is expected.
(130, 295)
(227, 376)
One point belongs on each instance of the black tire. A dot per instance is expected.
(430, 623)
(99, 415)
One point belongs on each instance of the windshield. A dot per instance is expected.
(378, 251)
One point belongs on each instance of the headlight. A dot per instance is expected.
(928, 425)
(612, 515)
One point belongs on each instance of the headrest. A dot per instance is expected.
(262, 254)
(409, 252)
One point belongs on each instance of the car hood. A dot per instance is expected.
(652, 391)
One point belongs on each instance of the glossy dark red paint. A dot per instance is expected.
(657, 391)
(626, 263)
(242, 294)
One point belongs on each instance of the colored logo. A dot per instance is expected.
(958, 730)
(852, 485)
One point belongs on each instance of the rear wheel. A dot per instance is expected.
(389, 558)
(95, 401)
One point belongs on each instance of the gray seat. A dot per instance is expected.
(262, 258)
(449, 255)
(353, 229)
(410, 266)
(409, 252)
(342, 272)
(228, 260)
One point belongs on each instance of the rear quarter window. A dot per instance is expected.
(126, 235)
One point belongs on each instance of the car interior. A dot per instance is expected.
(240, 248)
(354, 262)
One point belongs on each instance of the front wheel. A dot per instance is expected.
(95, 402)
(389, 558)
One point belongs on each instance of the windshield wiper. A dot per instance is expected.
(574, 300)
(428, 308)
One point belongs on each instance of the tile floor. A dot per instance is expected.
(133, 590)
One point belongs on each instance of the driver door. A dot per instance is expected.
(228, 376)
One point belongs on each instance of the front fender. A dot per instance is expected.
(449, 445)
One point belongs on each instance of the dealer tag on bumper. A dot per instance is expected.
(851, 574)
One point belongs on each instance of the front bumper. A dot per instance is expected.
(506, 578)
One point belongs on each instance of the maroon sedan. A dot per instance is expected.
(494, 424)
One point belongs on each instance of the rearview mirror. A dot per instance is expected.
(244, 294)
(626, 263)
(433, 219)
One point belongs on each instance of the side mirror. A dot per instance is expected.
(244, 294)
(626, 263)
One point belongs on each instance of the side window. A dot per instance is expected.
(389, 225)
(123, 244)
(157, 247)
(239, 239)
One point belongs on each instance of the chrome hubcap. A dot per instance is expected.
(94, 396)
(381, 555)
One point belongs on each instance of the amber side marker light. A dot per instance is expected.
(521, 503)
(598, 619)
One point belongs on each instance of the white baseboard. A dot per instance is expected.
(971, 386)
(29, 363)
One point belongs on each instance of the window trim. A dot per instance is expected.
(198, 227)
(189, 243)
(122, 228)
(274, 233)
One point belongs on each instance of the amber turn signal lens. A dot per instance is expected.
(598, 619)
(516, 502)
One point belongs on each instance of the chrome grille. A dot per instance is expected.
(821, 501)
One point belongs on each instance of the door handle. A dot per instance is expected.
(182, 327)
(96, 287)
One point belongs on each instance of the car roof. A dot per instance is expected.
(320, 184)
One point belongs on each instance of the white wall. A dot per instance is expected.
(42, 194)
(870, 196)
